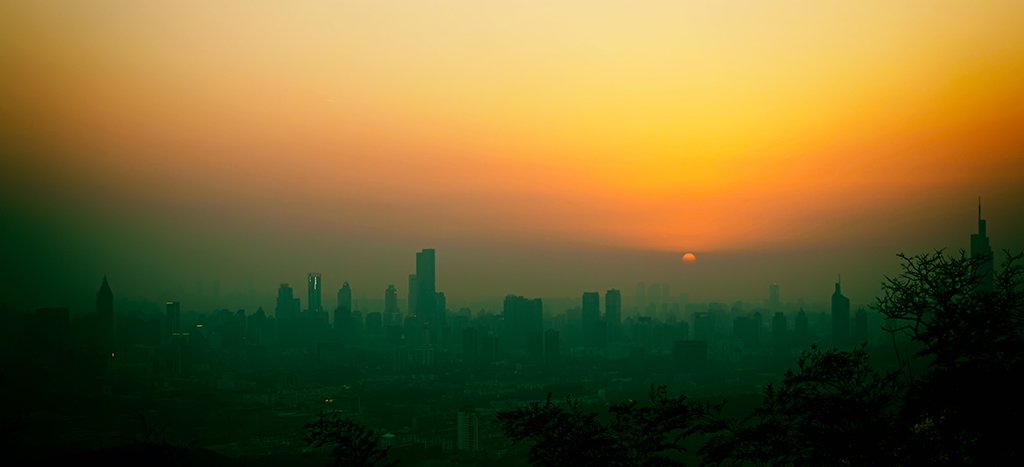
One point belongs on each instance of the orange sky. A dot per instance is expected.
(707, 126)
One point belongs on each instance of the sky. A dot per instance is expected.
(543, 148)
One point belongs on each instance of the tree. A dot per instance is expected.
(151, 442)
(353, 444)
(637, 435)
(971, 340)
(834, 410)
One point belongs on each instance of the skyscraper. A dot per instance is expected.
(411, 298)
(345, 298)
(591, 315)
(522, 317)
(780, 335)
(313, 282)
(801, 331)
(860, 326)
(981, 251)
(613, 307)
(468, 430)
(773, 297)
(105, 315)
(391, 314)
(840, 318)
(426, 291)
(173, 318)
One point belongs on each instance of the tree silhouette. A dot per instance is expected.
(151, 441)
(637, 436)
(971, 337)
(353, 444)
(834, 410)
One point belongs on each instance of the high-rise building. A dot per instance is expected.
(522, 317)
(840, 318)
(551, 346)
(773, 297)
(411, 297)
(654, 295)
(426, 293)
(468, 430)
(591, 315)
(285, 302)
(440, 311)
(313, 283)
(801, 331)
(173, 318)
(345, 298)
(981, 251)
(105, 315)
(780, 335)
(392, 315)
(860, 326)
(613, 306)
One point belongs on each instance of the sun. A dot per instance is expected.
(689, 258)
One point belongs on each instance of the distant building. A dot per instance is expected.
(981, 251)
(860, 326)
(654, 295)
(840, 318)
(468, 429)
(780, 335)
(411, 299)
(392, 315)
(613, 306)
(551, 346)
(773, 297)
(521, 317)
(173, 320)
(313, 286)
(591, 315)
(105, 317)
(426, 293)
(641, 295)
(801, 331)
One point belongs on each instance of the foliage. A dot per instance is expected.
(972, 337)
(637, 436)
(353, 444)
(835, 410)
(151, 439)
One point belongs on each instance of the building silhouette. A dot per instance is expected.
(840, 318)
(411, 297)
(773, 297)
(613, 307)
(468, 430)
(426, 291)
(801, 331)
(591, 316)
(105, 317)
(313, 286)
(522, 317)
(392, 315)
(551, 346)
(981, 251)
(173, 320)
(780, 335)
(860, 326)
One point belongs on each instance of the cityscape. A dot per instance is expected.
(456, 234)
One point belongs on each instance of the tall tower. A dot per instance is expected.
(468, 429)
(840, 317)
(981, 251)
(426, 290)
(105, 313)
(613, 306)
(591, 315)
(345, 298)
(413, 292)
(391, 313)
(173, 318)
(773, 297)
(313, 282)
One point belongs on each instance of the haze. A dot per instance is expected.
(541, 149)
